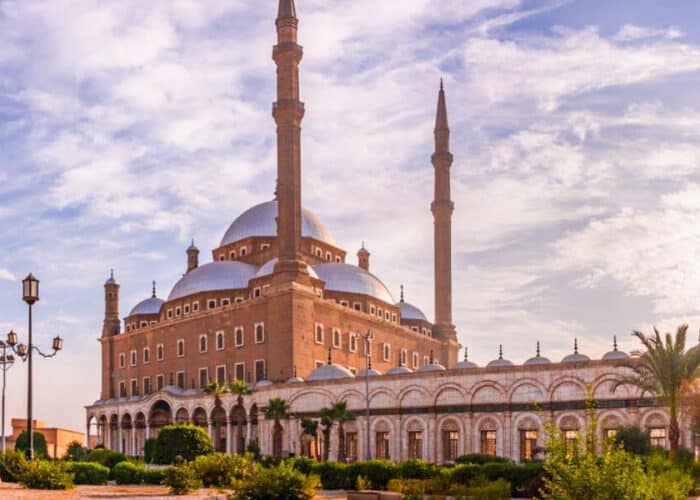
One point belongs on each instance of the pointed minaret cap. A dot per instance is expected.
(111, 280)
(441, 122)
(286, 10)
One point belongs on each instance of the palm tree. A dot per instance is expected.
(309, 427)
(327, 419)
(217, 390)
(342, 415)
(276, 409)
(665, 370)
(240, 389)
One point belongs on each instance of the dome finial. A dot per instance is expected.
(154, 289)
(466, 353)
(500, 351)
(575, 345)
(111, 273)
(432, 360)
(369, 362)
(295, 370)
(538, 348)
(442, 86)
(401, 293)
(330, 356)
(615, 343)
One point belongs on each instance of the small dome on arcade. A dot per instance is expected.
(263, 383)
(576, 357)
(465, 363)
(329, 371)
(615, 354)
(149, 306)
(538, 359)
(500, 361)
(409, 311)
(399, 369)
(218, 275)
(295, 379)
(432, 366)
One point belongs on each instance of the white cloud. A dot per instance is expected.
(6, 275)
(631, 32)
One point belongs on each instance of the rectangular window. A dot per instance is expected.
(570, 439)
(238, 334)
(203, 378)
(352, 342)
(220, 341)
(351, 446)
(259, 370)
(238, 300)
(186, 309)
(379, 312)
(232, 255)
(134, 387)
(122, 360)
(450, 445)
(181, 380)
(146, 355)
(144, 324)
(122, 389)
(657, 436)
(170, 314)
(146, 386)
(318, 333)
(415, 445)
(221, 374)
(211, 304)
(160, 352)
(160, 380)
(177, 311)
(257, 292)
(372, 309)
(337, 342)
(528, 443)
(382, 445)
(357, 306)
(488, 443)
(195, 307)
(264, 246)
(368, 347)
(394, 318)
(259, 333)
(239, 371)
(225, 302)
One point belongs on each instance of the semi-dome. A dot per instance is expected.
(219, 275)
(409, 311)
(615, 354)
(149, 306)
(576, 357)
(537, 359)
(500, 361)
(465, 363)
(261, 220)
(268, 267)
(329, 372)
(347, 278)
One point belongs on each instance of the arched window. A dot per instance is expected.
(219, 341)
(159, 352)
(318, 334)
(243, 252)
(180, 348)
(259, 333)
(202, 343)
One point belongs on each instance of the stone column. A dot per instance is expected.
(229, 449)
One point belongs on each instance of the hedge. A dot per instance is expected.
(480, 459)
(89, 473)
(46, 475)
(127, 473)
(108, 458)
(186, 441)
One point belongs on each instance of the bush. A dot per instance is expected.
(45, 475)
(479, 489)
(149, 450)
(524, 479)
(480, 459)
(12, 465)
(188, 441)
(377, 472)
(108, 458)
(417, 469)
(89, 473)
(127, 473)
(75, 452)
(223, 470)
(39, 443)
(302, 464)
(482, 489)
(465, 474)
(181, 479)
(333, 475)
(278, 483)
(633, 439)
(152, 476)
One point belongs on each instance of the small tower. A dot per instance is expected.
(192, 257)
(112, 324)
(363, 257)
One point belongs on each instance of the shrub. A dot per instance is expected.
(253, 448)
(127, 473)
(333, 475)
(152, 476)
(633, 439)
(45, 475)
(417, 469)
(89, 473)
(75, 452)
(670, 485)
(480, 459)
(149, 450)
(222, 470)
(108, 458)
(302, 464)
(278, 483)
(12, 465)
(523, 478)
(39, 441)
(377, 472)
(188, 441)
(181, 479)
(482, 489)
(465, 474)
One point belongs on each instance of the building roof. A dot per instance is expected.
(219, 275)
(261, 220)
(329, 372)
(371, 372)
(352, 279)
(409, 311)
(399, 370)
(149, 306)
(268, 267)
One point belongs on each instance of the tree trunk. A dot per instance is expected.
(326, 443)
(277, 440)
(674, 436)
(341, 443)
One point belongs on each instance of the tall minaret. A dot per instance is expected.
(288, 112)
(442, 208)
(112, 324)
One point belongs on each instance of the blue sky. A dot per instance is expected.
(127, 128)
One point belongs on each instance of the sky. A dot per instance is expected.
(128, 128)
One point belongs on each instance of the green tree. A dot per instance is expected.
(342, 415)
(327, 422)
(665, 370)
(240, 389)
(22, 443)
(277, 409)
(187, 441)
(217, 390)
(633, 439)
(75, 452)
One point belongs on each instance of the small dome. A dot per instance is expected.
(263, 383)
(295, 380)
(575, 357)
(329, 372)
(538, 359)
(369, 373)
(431, 367)
(149, 306)
(111, 280)
(268, 267)
(500, 361)
(399, 370)
(615, 354)
(465, 363)
(261, 220)
(219, 275)
(352, 279)
(409, 311)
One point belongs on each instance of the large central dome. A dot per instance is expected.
(260, 220)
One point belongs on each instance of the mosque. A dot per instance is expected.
(281, 307)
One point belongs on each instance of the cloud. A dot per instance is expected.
(631, 32)
(6, 275)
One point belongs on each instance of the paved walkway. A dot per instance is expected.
(11, 491)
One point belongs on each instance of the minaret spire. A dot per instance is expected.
(442, 208)
(288, 112)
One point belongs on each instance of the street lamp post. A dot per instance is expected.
(6, 363)
(367, 338)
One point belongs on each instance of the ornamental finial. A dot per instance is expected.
(500, 351)
(330, 356)
(401, 293)
(154, 289)
(575, 346)
(538, 348)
